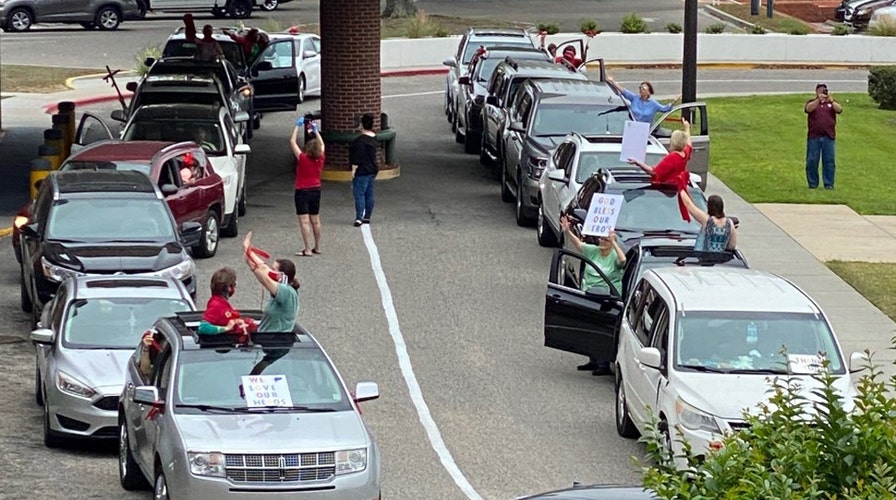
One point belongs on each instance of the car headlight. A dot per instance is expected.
(694, 419)
(70, 385)
(57, 273)
(349, 461)
(177, 272)
(862, 12)
(207, 464)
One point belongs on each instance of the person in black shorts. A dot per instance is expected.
(309, 165)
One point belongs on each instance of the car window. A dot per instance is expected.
(147, 357)
(644, 317)
(560, 155)
(205, 133)
(279, 54)
(142, 167)
(182, 48)
(524, 109)
(114, 323)
(147, 97)
(163, 374)
(189, 169)
(473, 46)
(308, 45)
(569, 155)
(316, 43)
(647, 209)
(560, 119)
(660, 334)
(494, 83)
(591, 161)
(460, 47)
(215, 377)
(110, 218)
(58, 309)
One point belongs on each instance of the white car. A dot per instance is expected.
(878, 16)
(211, 127)
(697, 347)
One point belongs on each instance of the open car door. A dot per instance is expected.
(595, 69)
(274, 77)
(577, 321)
(696, 113)
(90, 129)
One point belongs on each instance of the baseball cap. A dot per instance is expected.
(821, 85)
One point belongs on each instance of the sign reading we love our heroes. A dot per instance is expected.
(602, 214)
(266, 390)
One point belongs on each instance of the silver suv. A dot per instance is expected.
(203, 417)
(84, 338)
(20, 15)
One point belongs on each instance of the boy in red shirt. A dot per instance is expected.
(220, 316)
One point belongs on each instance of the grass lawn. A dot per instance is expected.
(779, 23)
(758, 148)
(19, 78)
(875, 281)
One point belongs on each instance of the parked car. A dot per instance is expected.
(574, 161)
(508, 76)
(237, 9)
(471, 41)
(101, 223)
(193, 425)
(84, 339)
(471, 91)
(879, 14)
(107, 15)
(858, 14)
(596, 492)
(542, 114)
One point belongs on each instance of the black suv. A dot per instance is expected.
(587, 321)
(542, 114)
(101, 222)
(508, 76)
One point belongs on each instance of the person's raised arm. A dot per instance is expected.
(811, 105)
(643, 166)
(576, 242)
(294, 142)
(317, 135)
(258, 266)
(686, 126)
(732, 240)
(701, 216)
(620, 255)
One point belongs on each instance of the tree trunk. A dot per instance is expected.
(400, 8)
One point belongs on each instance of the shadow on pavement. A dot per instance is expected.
(17, 148)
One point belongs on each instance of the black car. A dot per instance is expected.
(596, 492)
(101, 222)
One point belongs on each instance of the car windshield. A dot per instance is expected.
(724, 340)
(648, 209)
(590, 162)
(294, 377)
(142, 167)
(114, 323)
(561, 119)
(182, 48)
(110, 218)
(474, 45)
(205, 133)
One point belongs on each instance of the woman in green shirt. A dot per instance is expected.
(608, 256)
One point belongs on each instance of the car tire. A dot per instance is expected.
(484, 159)
(219, 12)
(24, 297)
(208, 242)
(506, 194)
(546, 236)
(19, 20)
(232, 230)
(142, 9)
(240, 9)
(160, 486)
(107, 18)
(472, 143)
(52, 439)
(520, 212)
(663, 427)
(302, 84)
(458, 136)
(128, 470)
(88, 26)
(241, 204)
(38, 385)
(269, 5)
(624, 425)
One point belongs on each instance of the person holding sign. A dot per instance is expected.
(717, 233)
(608, 256)
(672, 170)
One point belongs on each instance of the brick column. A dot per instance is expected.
(350, 70)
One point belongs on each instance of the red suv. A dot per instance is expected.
(182, 171)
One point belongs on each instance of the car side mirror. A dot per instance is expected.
(240, 117)
(242, 149)
(308, 54)
(492, 100)
(366, 391)
(147, 395)
(131, 86)
(149, 61)
(600, 292)
(30, 230)
(649, 357)
(858, 361)
(518, 127)
(118, 115)
(557, 175)
(450, 63)
(262, 66)
(168, 189)
(42, 336)
(464, 80)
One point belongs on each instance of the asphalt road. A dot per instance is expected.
(72, 46)
(467, 286)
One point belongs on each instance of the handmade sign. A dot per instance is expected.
(266, 390)
(805, 363)
(634, 141)
(602, 214)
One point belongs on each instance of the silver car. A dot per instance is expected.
(211, 416)
(84, 339)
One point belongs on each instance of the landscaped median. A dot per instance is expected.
(38, 79)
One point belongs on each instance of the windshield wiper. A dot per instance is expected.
(291, 408)
(65, 240)
(761, 371)
(701, 368)
(551, 135)
(212, 408)
(132, 241)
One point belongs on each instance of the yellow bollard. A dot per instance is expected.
(51, 155)
(53, 138)
(40, 169)
(60, 123)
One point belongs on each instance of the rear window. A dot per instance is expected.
(473, 46)
(142, 167)
(182, 48)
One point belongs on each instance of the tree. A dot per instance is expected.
(795, 447)
(400, 8)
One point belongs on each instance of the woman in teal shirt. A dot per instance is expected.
(282, 307)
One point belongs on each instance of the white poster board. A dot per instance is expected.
(634, 141)
(602, 214)
(266, 390)
(805, 363)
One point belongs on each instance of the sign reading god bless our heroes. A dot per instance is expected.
(602, 214)
(266, 390)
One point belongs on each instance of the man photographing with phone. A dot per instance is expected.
(822, 120)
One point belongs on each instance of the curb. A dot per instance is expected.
(51, 109)
(6, 231)
(70, 82)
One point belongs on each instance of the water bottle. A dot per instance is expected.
(752, 333)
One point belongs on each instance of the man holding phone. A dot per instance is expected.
(822, 119)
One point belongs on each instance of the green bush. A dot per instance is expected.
(842, 30)
(795, 447)
(420, 26)
(674, 28)
(886, 26)
(633, 23)
(757, 30)
(882, 86)
(154, 51)
(549, 28)
(715, 28)
(586, 25)
(799, 30)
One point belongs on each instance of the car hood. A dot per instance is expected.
(544, 144)
(273, 432)
(102, 369)
(107, 258)
(727, 395)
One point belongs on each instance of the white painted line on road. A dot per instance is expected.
(415, 94)
(404, 362)
(710, 80)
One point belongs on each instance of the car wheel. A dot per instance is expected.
(667, 437)
(38, 385)
(240, 9)
(128, 471)
(24, 296)
(471, 143)
(19, 20)
(208, 243)
(107, 19)
(624, 425)
(52, 439)
(219, 12)
(521, 219)
(270, 5)
(241, 204)
(546, 236)
(233, 227)
(141, 9)
(160, 490)
(301, 89)
(506, 195)
(88, 26)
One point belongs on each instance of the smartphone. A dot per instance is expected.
(825, 91)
